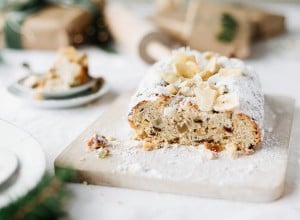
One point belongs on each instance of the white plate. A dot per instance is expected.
(8, 164)
(32, 162)
(70, 102)
(54, 94)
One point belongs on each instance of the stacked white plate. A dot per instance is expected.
(22, 162)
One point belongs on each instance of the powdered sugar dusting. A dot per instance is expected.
(247, 86)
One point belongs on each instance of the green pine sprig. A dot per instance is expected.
(229, 28)
(44, 202)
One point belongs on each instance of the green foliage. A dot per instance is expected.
(44, 202)
(17, 4)
(229, 27)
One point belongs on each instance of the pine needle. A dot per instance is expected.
(229, 28)
(44, 202)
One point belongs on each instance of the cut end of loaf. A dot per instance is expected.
(173, 120)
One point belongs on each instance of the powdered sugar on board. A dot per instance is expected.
(185, 169)
(193, 163)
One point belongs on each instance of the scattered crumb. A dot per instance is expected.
(111, 138)
(99, 144)
(96, 142)
(103, 153)
(120, 202)
(136, 138)
(82, 159)
(149, 144)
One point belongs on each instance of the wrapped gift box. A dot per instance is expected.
(55, 26)
(199, 24)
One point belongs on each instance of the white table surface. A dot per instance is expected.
(278, 64)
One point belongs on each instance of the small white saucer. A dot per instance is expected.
(31, 158)
(8, 164)
(70, 102)
(54, 94)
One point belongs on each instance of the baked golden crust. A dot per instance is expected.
(132, 112)
(256, 132)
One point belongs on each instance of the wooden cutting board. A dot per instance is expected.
(185, 170)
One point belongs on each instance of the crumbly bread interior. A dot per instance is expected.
(169, 120)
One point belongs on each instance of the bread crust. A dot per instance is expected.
(132, 111)
(257, 133)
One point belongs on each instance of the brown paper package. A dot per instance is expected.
(53, 27)
(264, 24)
(199, 31)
